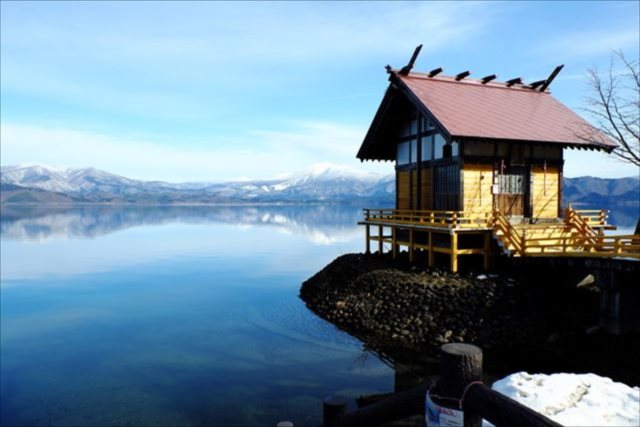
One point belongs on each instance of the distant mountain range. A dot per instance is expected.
(322, 183)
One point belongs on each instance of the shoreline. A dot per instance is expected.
(407, 313)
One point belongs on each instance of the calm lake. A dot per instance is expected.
(149, 316)
(173, 316)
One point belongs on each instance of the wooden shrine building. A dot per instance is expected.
(479, 169)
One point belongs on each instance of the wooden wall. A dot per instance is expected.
(426, 189)
(477, 196)
(544, 191)
(402, 185)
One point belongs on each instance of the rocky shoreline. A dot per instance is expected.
(385, 302)
(398, 310)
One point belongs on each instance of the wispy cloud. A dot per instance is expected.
(585, 43)
(257, 154)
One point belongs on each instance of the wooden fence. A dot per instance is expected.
(461, 381)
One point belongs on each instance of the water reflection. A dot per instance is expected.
(173, 316)
(323, 224)
(42, 241)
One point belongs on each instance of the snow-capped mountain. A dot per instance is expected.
(322, 182)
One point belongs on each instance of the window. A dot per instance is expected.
(455, 148)
(414, 126)
(427, 147)
(403, 156)
(414, 151)
(439, 143)
(512, 181)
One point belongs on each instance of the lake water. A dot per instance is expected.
(148, 316)
(173, 316)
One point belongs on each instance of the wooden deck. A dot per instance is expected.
(454, 233)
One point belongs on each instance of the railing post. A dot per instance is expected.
(394, 241)
(454, 252)
(333, 407)
(380, 234)
(367, 238)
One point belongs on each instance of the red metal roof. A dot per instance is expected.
(470, 109)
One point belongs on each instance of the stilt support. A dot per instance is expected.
(454, 252)
(367, 239)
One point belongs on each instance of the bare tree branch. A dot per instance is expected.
(615, 107)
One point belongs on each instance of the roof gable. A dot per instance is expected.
(469, 109)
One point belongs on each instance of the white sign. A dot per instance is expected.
(439, 416)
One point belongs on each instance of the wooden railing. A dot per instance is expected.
(579, 239)
(446, 219)
(459, 388)
(510, 237)
(576, 245)
(576, 237)
(593, 217)
(580, 225)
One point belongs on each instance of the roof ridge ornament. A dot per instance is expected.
(552, 76)
(516, 81)
(435, 72)
(405, 70)
(462, 75)
(487, 79)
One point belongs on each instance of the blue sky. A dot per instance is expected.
(218, 91)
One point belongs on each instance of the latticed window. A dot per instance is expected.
(512, 181)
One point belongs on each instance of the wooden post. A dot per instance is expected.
(454, 252)
(459, 386)
(486, 252)
(332, 408)
(380, 232)
(367, 239)
(461, 365)
(411, 245)
(394, 242)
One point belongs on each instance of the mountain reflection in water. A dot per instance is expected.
(319, 223)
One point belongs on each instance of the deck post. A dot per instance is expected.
(380, 233)
(367, 239)
(454, 252)
(486, 252)
(394, 241)
(411, 245)
(431, 257)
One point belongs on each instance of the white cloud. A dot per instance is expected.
(259, 154)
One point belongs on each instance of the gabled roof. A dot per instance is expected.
(470, 110)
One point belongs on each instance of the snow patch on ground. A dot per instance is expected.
(575, 399)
